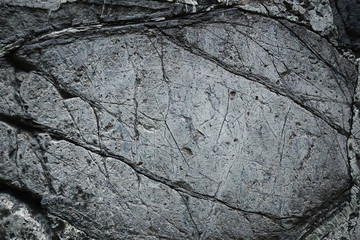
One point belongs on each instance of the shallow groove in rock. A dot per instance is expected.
(57, 135)
(17, 52)
(263, 81)
(313, 218)
(20, 61)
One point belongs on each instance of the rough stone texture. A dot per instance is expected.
(177, 120)
(315, 14)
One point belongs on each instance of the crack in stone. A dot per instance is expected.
(77, 228)
(323, 218)
(352, 206)
(173, 20)
(103, 25)
(318, 56)
(185, 200)
(16, 60)
(298, 100)
(57, 135)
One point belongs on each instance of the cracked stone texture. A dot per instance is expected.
(174, 120)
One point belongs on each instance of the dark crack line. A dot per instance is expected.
(282, 136)
(94, 105)
(74, 121)
(176, 143)
(248, 75)
(202, 11)
(46, 174)
(225, 116)
(109, 26)
(332, 207)
(136, 106)
(258, 79)
(83, 230)
(318, 55)
(258, 42)
(97, 125)
(57, 135)
(186, 203)
(33, 128)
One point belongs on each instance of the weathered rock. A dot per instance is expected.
(186, 120)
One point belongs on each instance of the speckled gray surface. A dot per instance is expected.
(177, 120)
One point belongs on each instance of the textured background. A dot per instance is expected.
(179, 119)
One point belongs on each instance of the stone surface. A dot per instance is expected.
(176, 120)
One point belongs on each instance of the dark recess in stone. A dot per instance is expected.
(347, 19)
(18, 63)
(23, 195)
(31, 199)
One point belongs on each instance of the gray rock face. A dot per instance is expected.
(173, 120)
